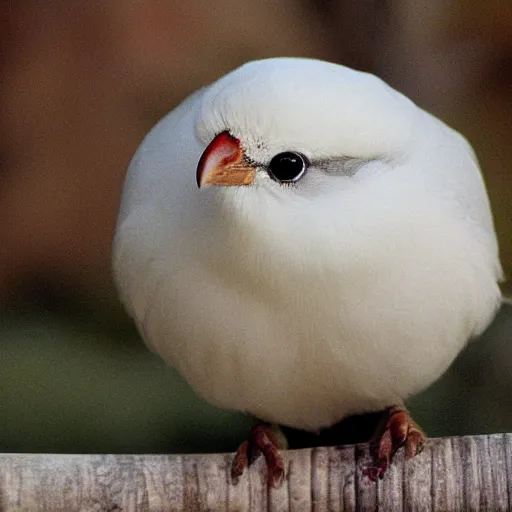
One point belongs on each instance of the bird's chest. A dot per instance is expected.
(305, 330)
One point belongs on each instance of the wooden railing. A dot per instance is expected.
(463, 473)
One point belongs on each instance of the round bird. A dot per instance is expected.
(304, 243)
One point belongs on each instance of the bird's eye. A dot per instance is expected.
(287, 167)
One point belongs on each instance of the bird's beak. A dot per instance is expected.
(223, 163)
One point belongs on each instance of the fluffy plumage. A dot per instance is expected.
(345, 292)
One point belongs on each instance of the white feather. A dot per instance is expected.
(302, 308)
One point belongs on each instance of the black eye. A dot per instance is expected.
(287, 167)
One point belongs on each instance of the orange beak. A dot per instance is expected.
(223, 163)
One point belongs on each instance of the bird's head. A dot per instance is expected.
(307, 164)
(300, 127)
(297, 149)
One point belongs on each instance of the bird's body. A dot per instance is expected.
(302, 302)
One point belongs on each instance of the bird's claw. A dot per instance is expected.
(398, 429)
(262, 441)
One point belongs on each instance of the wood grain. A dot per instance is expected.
(466, 473)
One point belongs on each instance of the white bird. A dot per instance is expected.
(344, 258)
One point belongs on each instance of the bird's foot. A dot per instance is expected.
(396, 429)
(263, 439)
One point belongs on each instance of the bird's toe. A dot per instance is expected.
(397, 429)
(262, 441)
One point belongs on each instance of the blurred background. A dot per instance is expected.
(82, 82)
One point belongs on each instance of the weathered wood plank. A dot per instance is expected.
(467, 473)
